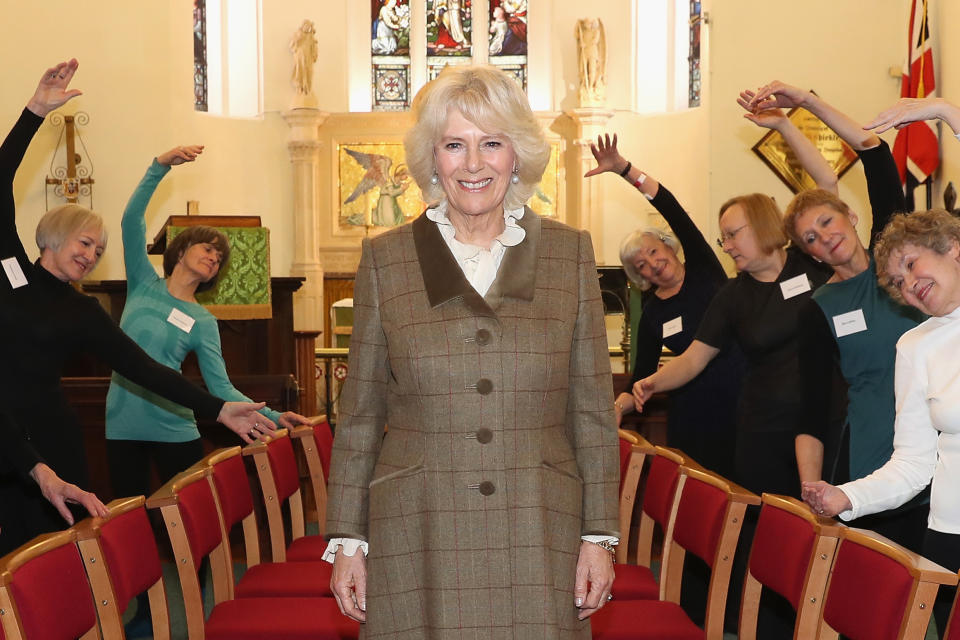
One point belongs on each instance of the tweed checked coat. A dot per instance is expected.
(501, 450)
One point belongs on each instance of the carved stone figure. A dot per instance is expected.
(303, 45)
(592, 50)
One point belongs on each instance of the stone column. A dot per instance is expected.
(304, 146)
(591, 122)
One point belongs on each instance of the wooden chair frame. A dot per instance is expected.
(111, 621)
(827, 532)
(639, 450)
(648, 524)
(9, 615)
(927, 578)
(304, 435)
(738, 498)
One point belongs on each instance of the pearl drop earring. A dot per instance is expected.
(434, 179)
(515, 178)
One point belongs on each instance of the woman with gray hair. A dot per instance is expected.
(702, 413)
(489, 507)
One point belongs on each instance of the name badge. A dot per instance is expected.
(14, 273)
(180, 320)
(851, 322)
(795, 286)
(673, 327)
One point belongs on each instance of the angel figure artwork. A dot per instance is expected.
(387, 211)
(451, 35)
(508, 28)
(303, 45)
(592, 50)
(388, 23)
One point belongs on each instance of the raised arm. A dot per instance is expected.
(771, 117)
(908, 110)
(133, 224)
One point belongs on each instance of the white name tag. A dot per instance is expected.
(673, 327)
(180, 320)
(851, 322)
(14, 273)
(795, 286)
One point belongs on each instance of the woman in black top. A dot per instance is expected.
(44, 321)
(701, 415)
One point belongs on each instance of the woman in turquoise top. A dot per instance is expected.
(162, 315)
(850, 327)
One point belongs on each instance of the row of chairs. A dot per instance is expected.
(77, 583)
(838, 580)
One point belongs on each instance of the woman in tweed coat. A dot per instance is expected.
(489, 508)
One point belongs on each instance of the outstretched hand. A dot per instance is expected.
(52, 90)
(242, 418)
(289, 419)
(179, 155)
(59, 492)
(825, 499)
(642, 390)
(763, 116)
(905, 111)
(607, 156)
(778, 95)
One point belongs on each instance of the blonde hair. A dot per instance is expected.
(935, 229)
(61, 222)
(634, 242)
(807, 200)
(763, 216)
(490, 99)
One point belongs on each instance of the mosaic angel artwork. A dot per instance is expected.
(375, 186)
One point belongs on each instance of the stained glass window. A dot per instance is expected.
(449, 26)
(390, 49)
(694, 57)
(200, 55)
(507, 43)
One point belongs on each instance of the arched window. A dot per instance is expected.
(667, 53)
(226, 57)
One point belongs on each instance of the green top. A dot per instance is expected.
(867, 358)
(167, 329)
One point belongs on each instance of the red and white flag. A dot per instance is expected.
(916, 148)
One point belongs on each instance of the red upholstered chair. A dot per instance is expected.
(193, 523)
(636, 581)
(879, 590)
(231, 491)
(707, 523)
(953, 625)
(634, 450)
(122, 561)
(279, 478)
(316, 444)
(792, 553)
(44, 591)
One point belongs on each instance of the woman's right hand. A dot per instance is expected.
(348, 582)
(52, 90)
(642, 390)
(606, 154)
(179, 155)
(778, 95)
(767, 117)
(825, 499)
(907, 110)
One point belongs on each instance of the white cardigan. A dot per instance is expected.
(926, 441)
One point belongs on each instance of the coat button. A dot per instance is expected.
(486, 488)
(484, 435)
(483, 337)
(484, 386)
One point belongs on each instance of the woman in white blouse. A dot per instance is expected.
(918, 262)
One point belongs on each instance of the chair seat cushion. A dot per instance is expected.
(306, 549)
(634, 582)
(643, 620)
(287, 618)
(285, 579)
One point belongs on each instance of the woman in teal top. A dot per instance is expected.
(850, 326)
(162, 316)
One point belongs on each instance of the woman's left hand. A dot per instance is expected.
(52, 89)
(243, 419)
(606, 154)
(767, 117)
(594, 571)
(179, 155)
(289, 419)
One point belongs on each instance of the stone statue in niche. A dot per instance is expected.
(303, 45)
(592, 58)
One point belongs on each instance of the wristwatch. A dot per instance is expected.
(606, 546)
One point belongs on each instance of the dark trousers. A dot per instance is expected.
(944, 549)
(131, 462)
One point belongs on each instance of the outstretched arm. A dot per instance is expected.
(771, 117)
(908, 110)
(59, 493)
(52, 91)
(675, 373)
(609, 159)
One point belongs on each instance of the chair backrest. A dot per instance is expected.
(709, 517)
(44, 592)
(659, 504)
(279, 478)
(316, 445)
(953, 625)
(195, 528)
(231, 486)
(634, 450)
(792, 553)
(879, 590)
(122, 561)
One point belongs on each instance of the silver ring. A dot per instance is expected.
(609, 597)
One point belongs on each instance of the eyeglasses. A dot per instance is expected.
(727, 237)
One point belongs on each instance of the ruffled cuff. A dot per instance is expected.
(350, 546)
(613, 541)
